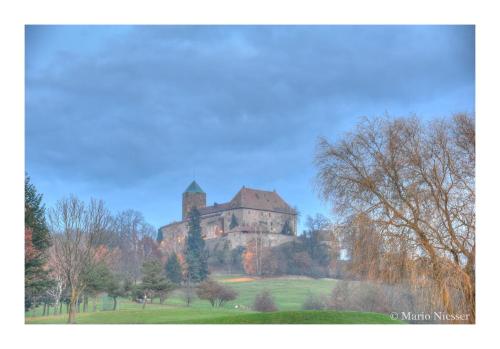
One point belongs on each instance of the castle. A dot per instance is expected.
(249, 214)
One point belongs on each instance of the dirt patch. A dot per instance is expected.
(293, 277)
(244, 279)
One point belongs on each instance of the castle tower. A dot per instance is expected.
(193, 196)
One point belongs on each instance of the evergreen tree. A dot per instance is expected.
(173, 269)
(196, 255)
(234, 222)
(287, 230)
(154, 283)
(159, 237)
(37, 242)
(128, 288)
(96, 280)
(114, 289)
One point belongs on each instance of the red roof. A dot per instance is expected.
(261, 200)
(253, 199)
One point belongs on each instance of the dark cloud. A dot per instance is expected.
(144, 107)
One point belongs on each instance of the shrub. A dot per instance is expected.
(373, 297)
(340, 299)
(216, 293)
(264, 302)
(315, 302)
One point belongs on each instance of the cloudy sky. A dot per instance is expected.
(132, 114)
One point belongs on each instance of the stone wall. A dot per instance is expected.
(190, 200)
(242, 239)
(268, 221)
(174, 237)
(216, 225)
(212, 226)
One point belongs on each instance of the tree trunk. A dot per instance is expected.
(72, 306)
(44, 308)
(470, 289)
(94, 306)
(471, 295)
(114, 303)
(72, 313)
(442, 287)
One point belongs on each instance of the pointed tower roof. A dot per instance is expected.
(194, 188)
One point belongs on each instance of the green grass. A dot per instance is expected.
(302, 317)
(220, 316)
(289, 294)
(150, 315)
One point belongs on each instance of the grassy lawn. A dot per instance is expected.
(150, 315)
(174, 315)
(289, 294)
(302, 317)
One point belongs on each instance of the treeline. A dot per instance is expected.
(405, 190)
(76, 251)
(314, 253)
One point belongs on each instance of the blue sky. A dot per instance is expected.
(131, 114)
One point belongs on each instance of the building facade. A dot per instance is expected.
(249, 213)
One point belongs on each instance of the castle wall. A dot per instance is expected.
(174, 237)
(243, 239)
(212, 226)
(238, 213)
(215, 228)
(271, 222)
(268, 221)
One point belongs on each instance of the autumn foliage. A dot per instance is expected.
(249, 258)
(30, 252)
(406, 190)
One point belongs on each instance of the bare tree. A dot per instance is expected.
(134, 235)
(80, 230)
(188, 293)
(364, 245)
(255, 250)
(57, 275)
(318, 223)
(321, 238)
(415, 182)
